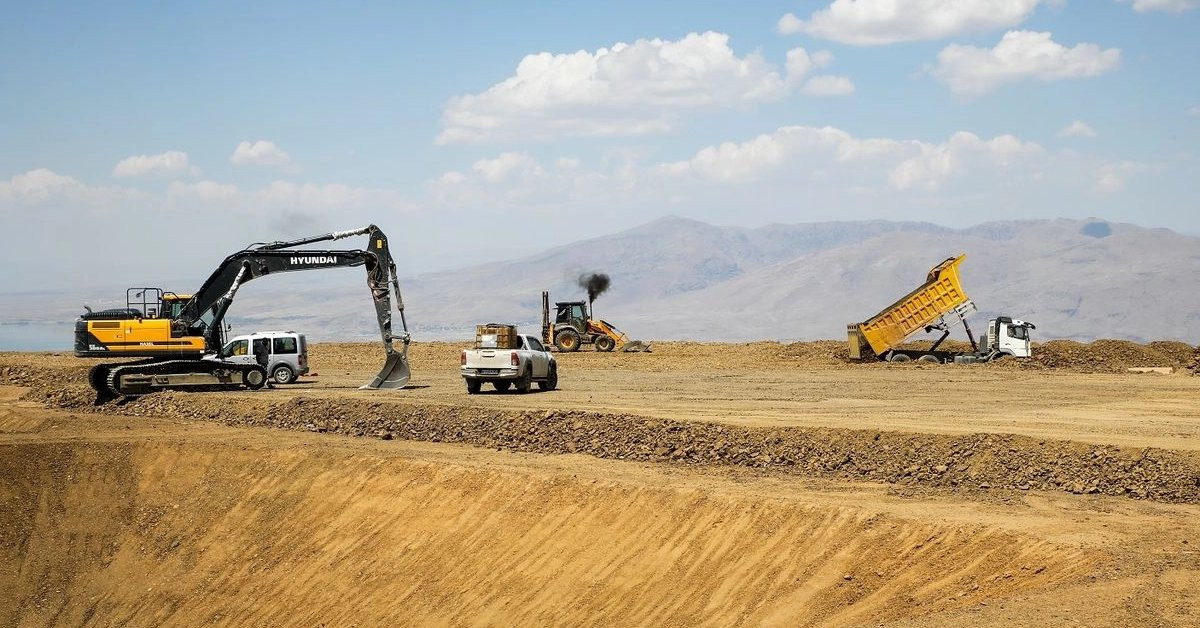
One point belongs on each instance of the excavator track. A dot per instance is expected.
(132, 379)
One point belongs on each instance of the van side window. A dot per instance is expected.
(237, 347)
(286, 344)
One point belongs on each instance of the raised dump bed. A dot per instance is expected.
(941, 293)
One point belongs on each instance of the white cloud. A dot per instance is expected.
(1171, 6)
(879, 22)
(42, 186)
(500, 168)
(1194, 111)
(971, 71)
(1113, 177)
(203, 190)
(1077, 128)
(628, 89)
(799, 63)
(259, 153)
(834, 154)
(170, 163)
(936, 163)
(828, 85)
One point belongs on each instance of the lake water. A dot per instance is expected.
(38, 336)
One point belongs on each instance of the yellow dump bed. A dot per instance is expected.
(941, 293)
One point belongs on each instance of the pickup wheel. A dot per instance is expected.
(567, 340)
(524, 381)
(551, 381)
(502, 385)
(604, 343)
(473, 386)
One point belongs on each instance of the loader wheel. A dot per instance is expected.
(524, 381)
(551, 381)
(283, 374)
(255, 378)
(899, 357)
(567, 340)
(604, 343)
(473, 386)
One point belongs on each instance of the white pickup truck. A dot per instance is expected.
(518, 367)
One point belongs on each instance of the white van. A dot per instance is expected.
(288, 353)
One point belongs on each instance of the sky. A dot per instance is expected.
(140, 143)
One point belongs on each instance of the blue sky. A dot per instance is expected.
(475, 131)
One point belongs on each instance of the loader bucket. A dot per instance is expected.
(394, 374)
(635, 346)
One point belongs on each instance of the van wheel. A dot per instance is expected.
(283, 374)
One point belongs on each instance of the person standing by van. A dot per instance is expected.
(262, 355)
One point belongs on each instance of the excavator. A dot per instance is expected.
(174, 333)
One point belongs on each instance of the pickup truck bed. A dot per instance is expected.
(515, 368)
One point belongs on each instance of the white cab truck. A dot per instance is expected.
(515, 361)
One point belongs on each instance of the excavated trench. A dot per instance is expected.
(201, 531)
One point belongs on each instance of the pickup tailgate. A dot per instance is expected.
(489, 359)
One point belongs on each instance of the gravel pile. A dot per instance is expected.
(971, 462)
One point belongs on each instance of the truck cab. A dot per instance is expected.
(1007, 336)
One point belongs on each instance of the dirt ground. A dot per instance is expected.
(700, 484)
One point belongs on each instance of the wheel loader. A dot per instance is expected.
(573, 327)
(174, 332)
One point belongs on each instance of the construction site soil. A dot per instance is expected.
(703, 483)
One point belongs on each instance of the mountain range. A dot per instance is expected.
(677, 278)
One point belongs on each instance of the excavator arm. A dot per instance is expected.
(204, 313)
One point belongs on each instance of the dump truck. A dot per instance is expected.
(574, 326)
(927, 309)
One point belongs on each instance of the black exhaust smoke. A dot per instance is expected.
(595, 284)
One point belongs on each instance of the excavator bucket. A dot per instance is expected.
(635, 346)
(394, 374)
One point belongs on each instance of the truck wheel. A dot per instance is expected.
(524, 381)
(604, 343)
(929, 359)
(502, 385)
(899, 357)
(567, 340)
(255, 378)
(551, 381)
(473, 386)
(283, 374)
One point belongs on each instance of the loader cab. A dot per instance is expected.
(572, 314)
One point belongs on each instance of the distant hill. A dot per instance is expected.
(676, 278)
